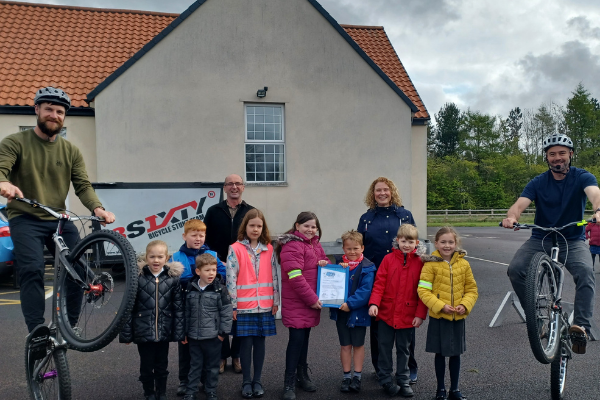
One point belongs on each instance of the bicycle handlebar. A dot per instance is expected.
(584, 222)
(36, 204)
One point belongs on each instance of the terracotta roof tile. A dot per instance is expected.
(83, 46)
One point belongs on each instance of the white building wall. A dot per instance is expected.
(178, 113)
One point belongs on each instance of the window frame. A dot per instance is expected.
(281, 142)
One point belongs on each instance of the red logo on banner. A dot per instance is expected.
(211, 194)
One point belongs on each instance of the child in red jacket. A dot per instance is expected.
(592, 232)
(396, 304)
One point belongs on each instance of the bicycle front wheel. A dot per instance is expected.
(91, 319)
(558, 374)
(543, 322)
(52, 381)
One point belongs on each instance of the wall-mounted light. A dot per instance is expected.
(262, 92)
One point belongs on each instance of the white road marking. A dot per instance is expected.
(490, 261)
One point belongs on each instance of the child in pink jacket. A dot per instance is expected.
(300, 253)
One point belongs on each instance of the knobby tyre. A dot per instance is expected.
(53, 381)
(89, 320)
(542, 320)
(558, 375)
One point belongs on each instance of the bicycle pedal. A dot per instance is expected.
(37, 342)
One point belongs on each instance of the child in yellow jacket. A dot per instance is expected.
(448, 289)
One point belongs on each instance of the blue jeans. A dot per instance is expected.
(578, 263)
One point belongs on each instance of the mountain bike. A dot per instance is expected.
(547, 322)
(94, 289)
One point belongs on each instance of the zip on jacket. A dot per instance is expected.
(156, 324)
(452, 290)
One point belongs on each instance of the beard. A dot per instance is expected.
(42, 124)
(562, 168)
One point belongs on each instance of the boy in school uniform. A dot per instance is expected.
(208, 318)
(352, 318)
(194, 234)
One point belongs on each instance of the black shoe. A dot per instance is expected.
(190, 397)
(456, 395)
(288, 393)
(161, 396)
(355, 385)
(289, 389)
(182, 389)
(38, 341)
(345, 385)
(303, 380)
(440, 394)
(211, 396)
(247, 390)
(150, 396)
(413, 377)
(391, 389)
(257, 389)
(406, 391)
(578, 339)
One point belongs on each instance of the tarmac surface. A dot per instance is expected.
(498, 363)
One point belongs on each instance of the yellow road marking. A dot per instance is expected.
(6, 302)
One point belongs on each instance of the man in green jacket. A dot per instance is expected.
(39, 164)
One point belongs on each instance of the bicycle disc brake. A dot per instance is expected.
(100, 291)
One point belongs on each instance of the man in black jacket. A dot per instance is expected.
(222, 223)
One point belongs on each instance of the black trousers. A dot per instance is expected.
(154, 360)
(297, 350)
(29, 235)
(205, 354)
(402, 338)
(374, 340)
(231, 350)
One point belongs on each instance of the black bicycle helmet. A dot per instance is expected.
(557, 139)
(52, 95)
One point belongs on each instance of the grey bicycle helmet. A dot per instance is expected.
(557, 139)
(52, 95)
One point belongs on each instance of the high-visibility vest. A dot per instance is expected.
(253, 292)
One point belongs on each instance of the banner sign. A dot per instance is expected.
(149, 211)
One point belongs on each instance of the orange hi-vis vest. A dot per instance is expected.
(253, 292)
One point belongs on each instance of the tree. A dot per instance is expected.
(581, 116)
(447, 131)
(481, 136)
(513, 125)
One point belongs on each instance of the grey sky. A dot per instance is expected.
(487, 55)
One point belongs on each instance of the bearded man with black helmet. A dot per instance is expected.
(560, 195)
(39, 164)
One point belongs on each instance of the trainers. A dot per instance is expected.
(345, 385)
(355, 385)
(440, 394)
(391, 389)
(456, 395)
(406, 391)
(222, 366)
(237, 365)
(578, 339)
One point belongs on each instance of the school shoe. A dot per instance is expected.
(222, 366)
(190, 397)
(182, 389)
(303, 379)
(578, 339)
(150, 396)
(391, 389)
(289, 389)
(456, 395)
(161, 388)
(257, 389)
(247, 390)
(345, 385)
(406, 391)
(237, 365)
(355, 385)
(211, 396)
(440, 394)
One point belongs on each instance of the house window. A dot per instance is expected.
(265, 146)
(63, 131)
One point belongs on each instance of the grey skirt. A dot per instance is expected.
(446, 337)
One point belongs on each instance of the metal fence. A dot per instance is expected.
(496, 212)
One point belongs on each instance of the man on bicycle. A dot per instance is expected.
(39, 164)
(560, 196)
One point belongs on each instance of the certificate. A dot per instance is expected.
(332, 286)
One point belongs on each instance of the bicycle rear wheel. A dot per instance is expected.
(89, 320)
(543, 322)
(558, 374)
(53, 381)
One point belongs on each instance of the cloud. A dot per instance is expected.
(582, 25)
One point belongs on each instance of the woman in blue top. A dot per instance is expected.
(379, 226)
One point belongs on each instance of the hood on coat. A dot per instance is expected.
(420, 251)
(435, 257)
(173, 268)
(288, 237)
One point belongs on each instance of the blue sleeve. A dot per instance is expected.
(221, 268)
(587, 179)
(360, 298)
(530, 190)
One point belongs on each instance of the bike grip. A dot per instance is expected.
(500, 224)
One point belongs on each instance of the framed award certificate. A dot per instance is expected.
(332, 285)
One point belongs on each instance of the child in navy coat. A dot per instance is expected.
(352, 318)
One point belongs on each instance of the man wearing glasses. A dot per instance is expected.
(222, 223)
